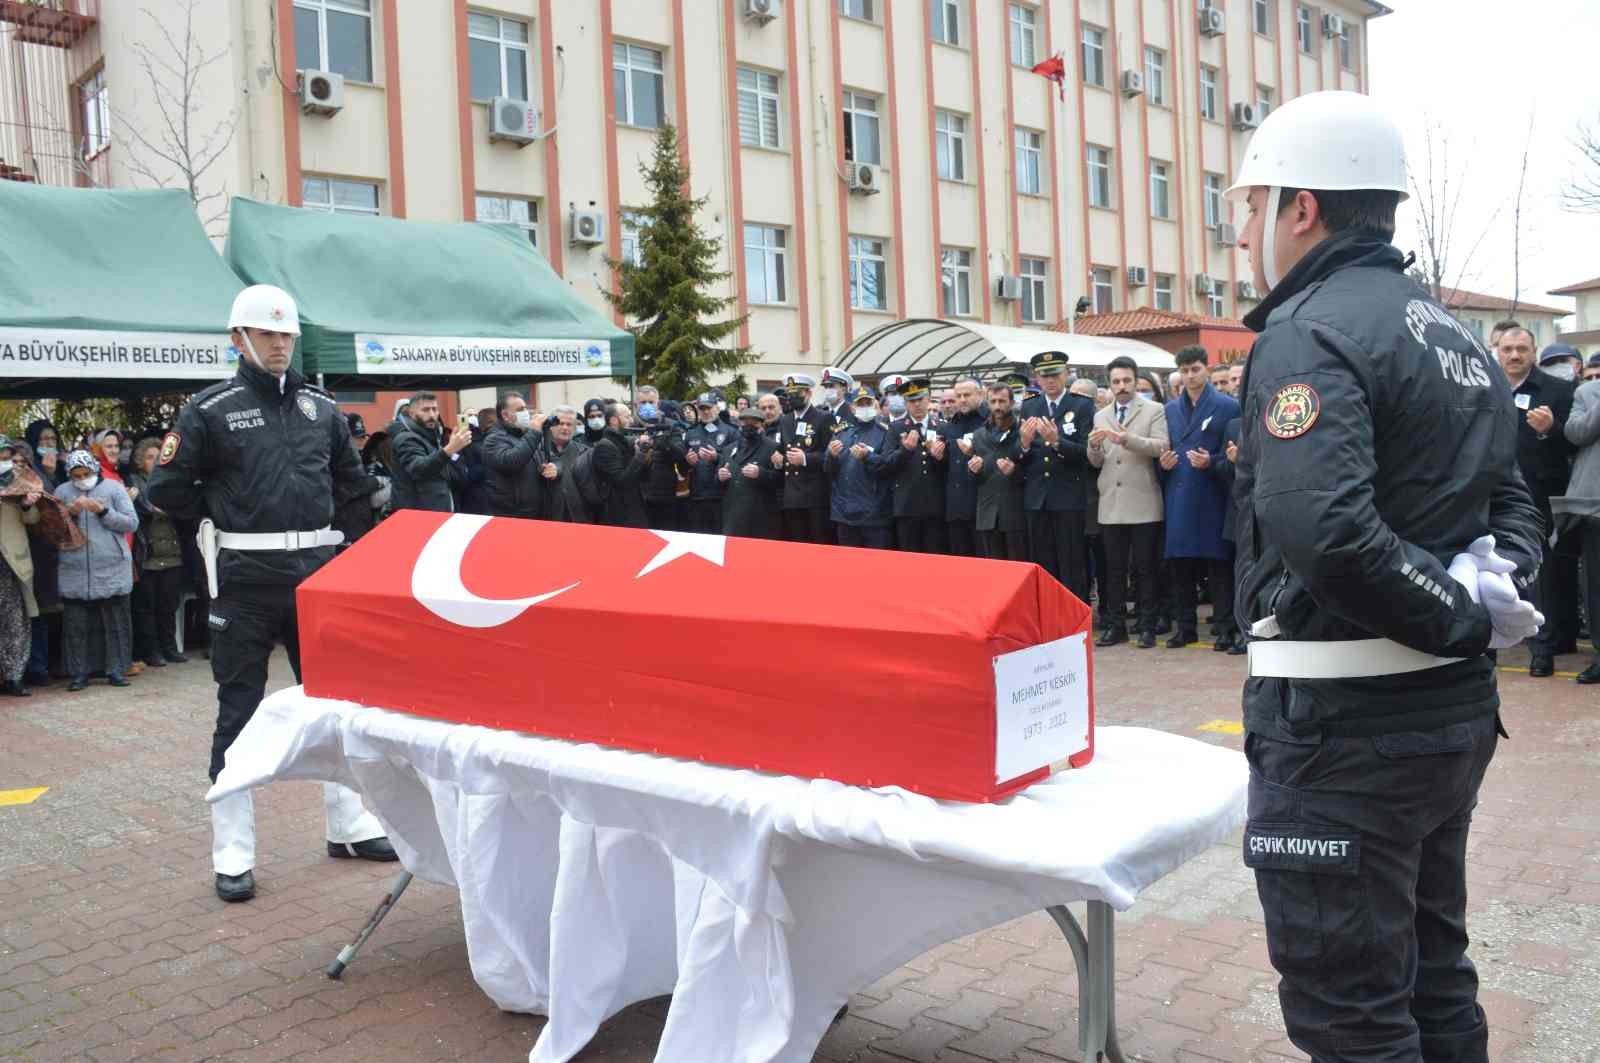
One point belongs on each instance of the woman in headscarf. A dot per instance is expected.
(96, 578)
(45, 556)
(17, 607)
(106, 446)
(46, 443)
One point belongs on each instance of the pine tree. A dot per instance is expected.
(678, 342)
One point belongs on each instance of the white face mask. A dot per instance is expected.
(5, 466)
(597, 423)
(866, 414)
(524, 419)
(87, 483)
(834, 395)
(1564, 371)
(897, 405)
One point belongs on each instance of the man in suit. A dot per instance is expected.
(803, 436)
(954, 448)
(1544, 402)
(1055, 431)
(1129, 435)
(996, 461)
(918, 477)
(1196, 500)
(751, 481)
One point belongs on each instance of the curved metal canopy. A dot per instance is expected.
(938, 348)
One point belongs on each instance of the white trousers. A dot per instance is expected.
(233, 826)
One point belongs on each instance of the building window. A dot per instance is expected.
(955, 265)
(1162, 291)
(1261, 16)
(1347, 47)
(1024, 36)
(1030, 150)
(861, 9)
(950, 142)
(1208, 93)
(869, 274)
(631, 229)
(1094, 56)
(1302, 28)
(498, 51)
(1100, 286)
(944, 20)
(1263, 101)
(1212, 195)
(335, 196)
(1034, 271)
(334, 35)
(1160, 189)
(763, 264)
(523, 213)
(94, 113)
(638, 84)
(758, 108)
(1155, 76)
(861, 127)
(1217, 301)
(1099, 176)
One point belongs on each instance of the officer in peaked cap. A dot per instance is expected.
(837, 387)
(918, 479)
(1017, 378)
(1055, 461)
(804, 434)
(706, 447)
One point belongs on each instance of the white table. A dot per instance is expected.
(593, 878)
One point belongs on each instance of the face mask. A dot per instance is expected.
(897, 405)
(48, 452)
(834, 395)
(5, 467)
(472, 420)
(524, 419)
(1564, 371)
(596, 423)
(647, 411)
(87, 483)
(750, 431)
(866, 414)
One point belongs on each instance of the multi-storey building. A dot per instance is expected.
(863, 159)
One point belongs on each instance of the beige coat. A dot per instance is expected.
(14, 545)
(1130, 487)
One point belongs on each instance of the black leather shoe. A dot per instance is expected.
(1163, 625)
(77, 684)
(1223, 644)
(236, 887)
(1182, 639)
(1147, 640)
(1540, 667)
(1239, 648)
(377, 849)
(1110, 637)
(1590, 674)
(118, 681)
(176, 658)
(18, 689)
(155, 661)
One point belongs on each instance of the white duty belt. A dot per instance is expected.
(285, 540)
(1275, 658)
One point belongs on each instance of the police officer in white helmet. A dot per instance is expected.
(254, 459)
(1383, 531)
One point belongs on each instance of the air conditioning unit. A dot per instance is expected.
(1212, 22)
(1263, 108)
(515, 121)
(1247, 291)
(760, 12)
(1132, 82)
(1204, 284)
(1332, 25)
(587, 228)
(1008, 288)
(321, 92)
(1245, 116)
(865, 178)
(1138, 276)
(1227, 235)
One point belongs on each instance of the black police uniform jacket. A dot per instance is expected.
(254, 459)
(918, 479)
(806, 486)
(960, 486)
(861, 486)
(748, 505)
(512, 460)
(1546, 461)
(1056, 477)
(704, 486)
(1379, 441)
(1000, 506)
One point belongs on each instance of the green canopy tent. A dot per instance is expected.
(388, 304)
(109, 293)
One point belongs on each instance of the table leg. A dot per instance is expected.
(1094, 956)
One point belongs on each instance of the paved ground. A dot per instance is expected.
(113, 946)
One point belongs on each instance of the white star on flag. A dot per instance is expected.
(682, 544)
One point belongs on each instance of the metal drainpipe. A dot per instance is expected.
(818, 170)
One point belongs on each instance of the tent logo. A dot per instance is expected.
(231, 355)
(592, 356)
(375, 352)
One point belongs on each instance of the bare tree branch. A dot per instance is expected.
(1439, 194)
(1583, 194)
(1516, 222)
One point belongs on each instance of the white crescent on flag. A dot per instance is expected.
(436, 579)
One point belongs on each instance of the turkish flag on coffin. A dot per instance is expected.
(865, 666)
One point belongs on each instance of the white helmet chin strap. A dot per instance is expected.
(1269, 239)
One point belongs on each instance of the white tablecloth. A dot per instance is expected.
(593, 878)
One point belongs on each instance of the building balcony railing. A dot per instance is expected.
(52, 23)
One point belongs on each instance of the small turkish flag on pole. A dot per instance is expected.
(1055, 68)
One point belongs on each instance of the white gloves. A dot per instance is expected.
(1487, 577)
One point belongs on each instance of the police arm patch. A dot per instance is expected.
(1293, 411)
(169, 447)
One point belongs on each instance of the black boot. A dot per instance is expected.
(1590, 674)
(236, 887)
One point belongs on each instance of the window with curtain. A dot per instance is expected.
(497, 51)
(1030, 155)
(758, 108)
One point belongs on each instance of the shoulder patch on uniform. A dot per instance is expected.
(1292, 411)
(169, 447)
(307, 406)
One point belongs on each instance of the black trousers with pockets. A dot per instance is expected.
(246, 620)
